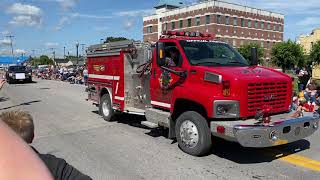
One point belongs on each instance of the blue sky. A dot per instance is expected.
(46, 24)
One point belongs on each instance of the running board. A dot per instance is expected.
(158, 117)
(149, 124)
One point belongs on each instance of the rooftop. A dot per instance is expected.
(219, 3)
(175, 3)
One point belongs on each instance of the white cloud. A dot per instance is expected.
(25, 15)
(67, 4)
(62, 22)
(5, 42)
(51, 44)
(25, 21)
(129, 24)
(5, 32)
(141, 12)
(24, 9)
(90, 16)
(20, 51)
(309, 21)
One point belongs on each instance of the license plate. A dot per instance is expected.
(20, 76)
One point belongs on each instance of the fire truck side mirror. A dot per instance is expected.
(254, 56)
(160, 54)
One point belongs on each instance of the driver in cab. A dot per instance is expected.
(172, 57)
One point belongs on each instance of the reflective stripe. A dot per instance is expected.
(117, 88)
(119, 98)
(161, 104)
(107, 77)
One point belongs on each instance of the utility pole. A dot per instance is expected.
(53, 54)
(77, 46)
(64, 52)
(11, 44)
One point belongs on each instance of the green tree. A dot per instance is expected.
(114, 39)
(315, 53)
(42, 60)
(287, 54)
(245, 51)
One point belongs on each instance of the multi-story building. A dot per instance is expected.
(233, 23)
(307, 41)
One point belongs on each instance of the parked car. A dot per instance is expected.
(18, 73)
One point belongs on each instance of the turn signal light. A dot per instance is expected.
(226, 88)
(221, 129)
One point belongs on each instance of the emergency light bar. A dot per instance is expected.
(186, 34)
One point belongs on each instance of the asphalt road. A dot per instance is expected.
(69, 127)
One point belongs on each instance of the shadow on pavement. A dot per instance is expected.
(241, 155)
(222, 148)
(3, 99)
(22, 104)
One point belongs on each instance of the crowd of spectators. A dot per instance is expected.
(73, 75)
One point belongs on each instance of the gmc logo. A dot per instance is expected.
(270, 97)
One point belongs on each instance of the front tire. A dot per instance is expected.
(105, 107)
(193, 133)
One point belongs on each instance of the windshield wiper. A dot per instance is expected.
(208, 62)
(237, 62)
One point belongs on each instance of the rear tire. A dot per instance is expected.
(105, 107)
(193, 133)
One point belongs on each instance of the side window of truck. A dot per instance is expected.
(172, 54)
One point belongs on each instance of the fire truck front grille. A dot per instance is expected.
(267, 94)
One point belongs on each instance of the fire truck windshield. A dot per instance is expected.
(211, 53)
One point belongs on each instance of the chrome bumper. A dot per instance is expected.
(282, 131)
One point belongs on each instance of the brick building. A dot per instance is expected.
(233, 23)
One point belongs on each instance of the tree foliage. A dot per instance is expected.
(114, 39)
(287, 54)
(245, 51)
(42, 60)
(315, 53)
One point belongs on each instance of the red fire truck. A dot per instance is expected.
(197, 87)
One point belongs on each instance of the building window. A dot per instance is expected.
(235, 21)
(149, 29)
(218, 19)
(268, 44)
(249, 24)
(234, 43)
(198, 21)
(241, 42)
(173, 25)
(189, 22)
(181, 24)
(262, 25)
(242, 22)
(207, 19)
(165, 27)
(274, 27)
(280, 28)
(269, 26)
(262, 44)
(227, 20)
(256, 24)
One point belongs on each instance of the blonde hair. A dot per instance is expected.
(21, 122)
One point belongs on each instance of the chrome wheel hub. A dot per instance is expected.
(189, 134)
(105, 108)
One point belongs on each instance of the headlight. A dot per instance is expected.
(10, 74)
(29, 73)
(226, 109)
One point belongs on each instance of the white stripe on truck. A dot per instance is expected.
(161, 104)
(107, 77)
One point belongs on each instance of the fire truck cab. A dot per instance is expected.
(197, 87)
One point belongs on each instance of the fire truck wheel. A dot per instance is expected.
(193, 133)
(105, 108)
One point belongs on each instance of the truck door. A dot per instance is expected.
(166, 62)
